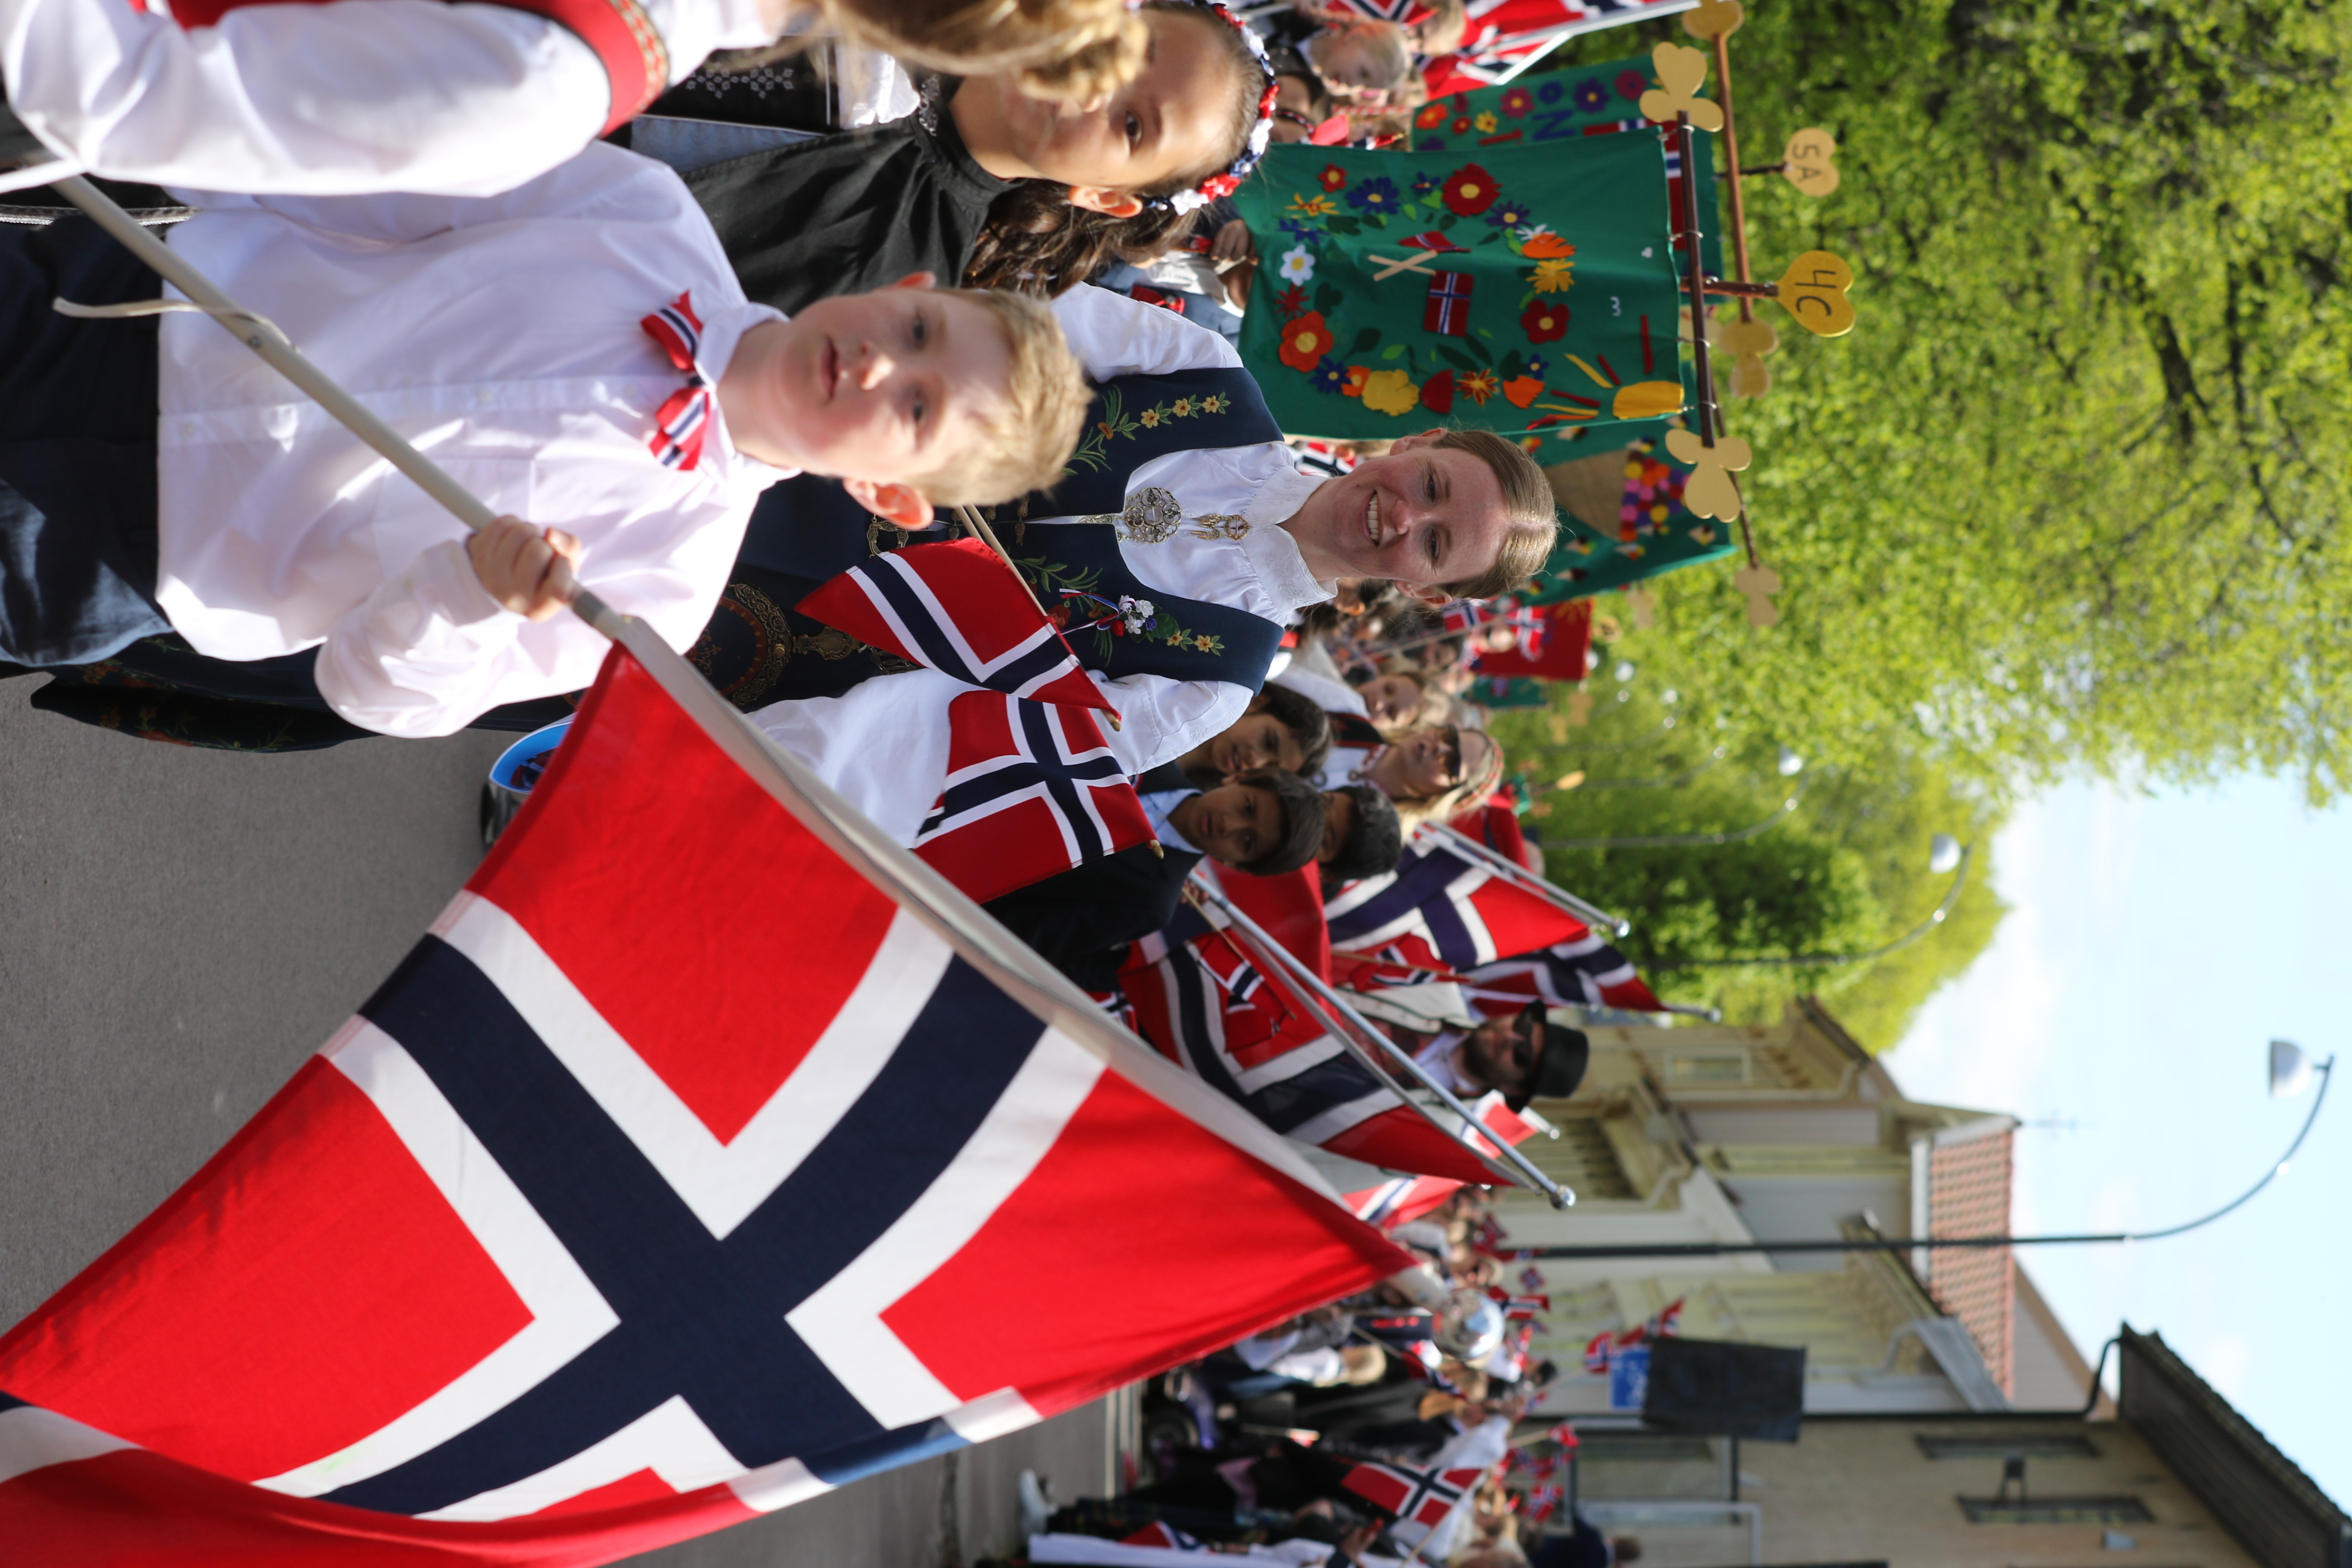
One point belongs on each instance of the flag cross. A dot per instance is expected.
(1418, 889)
(1043, 765)
(702, 1317)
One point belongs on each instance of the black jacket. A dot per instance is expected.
(1082, 921)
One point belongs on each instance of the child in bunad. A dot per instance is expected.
(468, 99)
(576, 351)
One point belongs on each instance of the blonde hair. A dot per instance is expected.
(1028, 444)
(1532, 515)
(1443, 30)
(1476, 786)
(1072, 49)
(1387, 53)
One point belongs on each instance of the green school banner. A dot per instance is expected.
(1654, 532)
(1589, 101)
(1525, 288)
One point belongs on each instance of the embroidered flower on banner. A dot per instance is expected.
(1291, 300)
(1631, 85)
(1554, 277)
(1333, 177)
(1551, 91)
(1377, 194)
(1306, 340)
(1470, 190)
(1313, 207)
(1461, 123)
(1521, 390)
(1297, 264)
(1437, 393)
(1354, 385)
(1486, 122)
(1592, 96)
(1479, 385)
(1391, 392)
(1330, 376)
(1517, 101)
(1432, 116)
(1545, 322)
(1509, 213)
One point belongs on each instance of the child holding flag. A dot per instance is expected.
(575, 350)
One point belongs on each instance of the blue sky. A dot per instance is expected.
(2156, 941)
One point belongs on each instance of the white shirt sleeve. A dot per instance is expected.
(1114, 335)
(359, 95)
(420, 656)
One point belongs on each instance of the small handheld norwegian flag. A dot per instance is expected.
(1419, 1497)
(957, 608)
(1031, 791)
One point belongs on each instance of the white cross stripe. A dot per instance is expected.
(722, 1182)
(568, 1312)
(842, 1321)
(670, 1440)
(941, 617)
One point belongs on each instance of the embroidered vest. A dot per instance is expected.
(760, 649)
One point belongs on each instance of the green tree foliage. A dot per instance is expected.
(2073, 493)
(1845, 871)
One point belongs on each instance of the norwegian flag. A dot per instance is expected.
(622, 1212)
(1446, 309)
(1519, 1309)
(1409, 1495)
(956, 607)
(1545, 1501)
(1403, 1198)
(1206, 1003)
(1031, 790)
(1165, 1536)
(1555, 643)
(1602, 1348)
(1505, 32)
(1441, 910)
(1403, 13)
(1584, 972)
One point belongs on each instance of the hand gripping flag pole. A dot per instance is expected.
(1370, 1046)
(977, 938)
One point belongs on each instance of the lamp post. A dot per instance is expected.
(1945, 853)
(2289, 1074)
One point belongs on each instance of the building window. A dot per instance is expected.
(1704, 1068)
(2056, 1510)
(2034, 1445)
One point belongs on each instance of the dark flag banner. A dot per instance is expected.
(1514, 288)
(675, 1176)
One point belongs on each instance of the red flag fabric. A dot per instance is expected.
(958, 607)
(1563, 652)
(1405, 1198)
(1290, 907)
(670, 1178)
(1031, 790)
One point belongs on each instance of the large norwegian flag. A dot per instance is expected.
(672, 1178)
(1033, 789)
(1411, 1496)
(1442, 910)
(1209, 1005)
(1502, 32)
(957, 607)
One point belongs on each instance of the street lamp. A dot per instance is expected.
(1945, 853)
(2289, 1074)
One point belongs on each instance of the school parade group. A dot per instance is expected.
(721, 305)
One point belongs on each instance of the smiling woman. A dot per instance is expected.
(1445, 514)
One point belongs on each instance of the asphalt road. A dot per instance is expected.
(179, 929)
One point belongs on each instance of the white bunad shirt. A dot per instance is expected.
(328, 100)
(884, 744)
(502, 335)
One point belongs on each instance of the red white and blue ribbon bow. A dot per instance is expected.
(685, 414)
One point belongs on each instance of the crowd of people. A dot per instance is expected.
(1301, 1444)
(712, 301)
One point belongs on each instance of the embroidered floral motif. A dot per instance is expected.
(1140, 618)
(1117, 425)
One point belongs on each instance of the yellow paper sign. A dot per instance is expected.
(1813, 291)
(1681, 73)
(1811, 162)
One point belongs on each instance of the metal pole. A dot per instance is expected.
(1355, 1024)
(1948, 1242)
(1592, 914)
